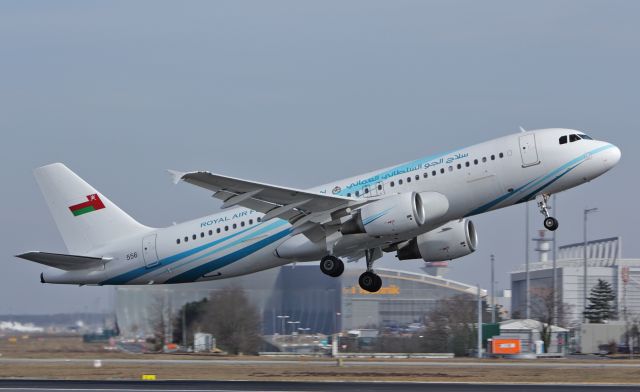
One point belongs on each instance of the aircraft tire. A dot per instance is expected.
(331, 266)
(551, 223)
(370, 282)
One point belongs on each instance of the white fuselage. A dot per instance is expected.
(476, 179)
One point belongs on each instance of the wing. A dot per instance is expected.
(296, 205)
(65, 262)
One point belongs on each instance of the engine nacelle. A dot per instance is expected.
(450, 241)
(397, 214)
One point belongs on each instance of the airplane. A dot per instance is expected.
(417, 210)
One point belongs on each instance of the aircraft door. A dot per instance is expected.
(376, 189)
(149, 250)
(528, 150)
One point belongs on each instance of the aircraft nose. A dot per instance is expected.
(612, 157)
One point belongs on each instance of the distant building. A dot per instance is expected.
(307, 300)
(604, 262)
(528, 331)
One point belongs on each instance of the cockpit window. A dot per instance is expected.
(563, 139)
(586, 137)
(574, 138)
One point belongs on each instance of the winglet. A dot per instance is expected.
(176, 176)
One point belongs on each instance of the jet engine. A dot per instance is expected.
(397, 214)
(450, 241)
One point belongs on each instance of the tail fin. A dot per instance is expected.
(85, 218)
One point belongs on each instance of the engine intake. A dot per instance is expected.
(450, 241)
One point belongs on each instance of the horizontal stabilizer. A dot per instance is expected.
(65, 262)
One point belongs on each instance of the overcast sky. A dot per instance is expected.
(298, 94)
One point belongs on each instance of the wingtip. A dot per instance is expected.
(176, 176)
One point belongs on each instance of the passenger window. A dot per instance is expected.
(366, 190)
(242, 224)
(563, 139)
(399, 182)
(349, 194)
(235, 226)
(425, 175)
(250, 221)
(417, 177)
(493, 157)
(218, 230)
(475, 161)
(433, 173)
(202, 234)
(178, 241)
(467, 164)
(501, 155)
(379, 187)
(259, 219)
(210, 232)
(226, 228)
(484, 159)
(459, 166)
(408, 179)
(186, 239)
(442, 170)
(392, 183)
(450, 168)
(573, 138)
(357, 193)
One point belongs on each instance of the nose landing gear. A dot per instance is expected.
(550, 223)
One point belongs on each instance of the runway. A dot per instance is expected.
(223, 386)
(346, 363)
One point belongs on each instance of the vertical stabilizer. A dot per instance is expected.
(85, 217)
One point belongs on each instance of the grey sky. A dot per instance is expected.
(298, 94)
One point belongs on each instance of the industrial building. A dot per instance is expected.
(300, 298)
(604, 262)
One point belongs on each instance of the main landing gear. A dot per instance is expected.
(332, 266)
(369, 280)
(550, 223)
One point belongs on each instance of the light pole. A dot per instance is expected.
(282, 320)
(555, 268)
(526, 257)
(493, 293)
(479, 348)
(293, 327)
(587, 211)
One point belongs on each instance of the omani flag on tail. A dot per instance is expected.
(93, 203)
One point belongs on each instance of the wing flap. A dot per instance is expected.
(65, 262)
(274, 201)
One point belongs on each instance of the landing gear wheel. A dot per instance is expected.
(551, 223)
(332, 266)
(370, 282)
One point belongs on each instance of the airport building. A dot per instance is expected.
(604, 262)
(300, 298)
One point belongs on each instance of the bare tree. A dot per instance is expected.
(158, 319)
(233, 320)
(451, 325)
(547, 308)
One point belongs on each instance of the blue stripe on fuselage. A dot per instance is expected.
(140, 271)
(203, 269)
(535, 182)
